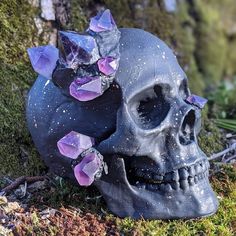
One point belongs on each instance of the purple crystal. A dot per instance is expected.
(197, 101)
(43, 59)
(86, 170)
(103, 21)
(107, 65)
(86, 88)
(73, 144)
(77, 49)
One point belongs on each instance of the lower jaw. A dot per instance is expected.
(126, 200)
(195, 201)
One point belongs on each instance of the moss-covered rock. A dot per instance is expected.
(17, 32)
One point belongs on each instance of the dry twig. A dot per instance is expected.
(15, 184)
(219, 155)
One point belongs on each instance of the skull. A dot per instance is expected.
(143, 127)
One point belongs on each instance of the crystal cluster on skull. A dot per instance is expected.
(112, 108)
(90, 73)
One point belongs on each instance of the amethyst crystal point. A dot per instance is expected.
(77, 49)
(86, 88)
(43, 59)
(196, 100)
(87, 169)
(103, 21)
(73, 144)
(107, 65)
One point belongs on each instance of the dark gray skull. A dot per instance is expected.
(144, 129)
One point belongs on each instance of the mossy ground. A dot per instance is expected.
(83, 209)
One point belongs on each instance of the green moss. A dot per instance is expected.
(211, 47)
(78, 20)
(186, 46)
(17, 30)
(223, 100)
(231, 57)
(196, 82)
(210, 138)
(17, 153)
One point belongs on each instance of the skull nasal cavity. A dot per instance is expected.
(187, 129)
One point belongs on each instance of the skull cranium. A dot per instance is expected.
(143, 127)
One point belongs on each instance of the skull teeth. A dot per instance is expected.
(182, 178)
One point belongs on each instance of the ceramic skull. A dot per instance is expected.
(143, 125)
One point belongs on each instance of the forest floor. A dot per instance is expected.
(53, 206)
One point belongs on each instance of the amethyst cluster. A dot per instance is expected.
(87, 162)
(84, 66)
(81, 66)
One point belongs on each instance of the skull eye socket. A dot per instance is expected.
(151, 107)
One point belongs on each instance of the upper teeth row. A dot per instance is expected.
(175, 175)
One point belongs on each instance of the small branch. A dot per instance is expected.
(222, 153)
(15, 184)
(230, 159)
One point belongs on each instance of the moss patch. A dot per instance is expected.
(17, 30)
(210, 138)
(211, 47)
(73, 203)
(78, 20)
(17, 153)
(230, 67)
